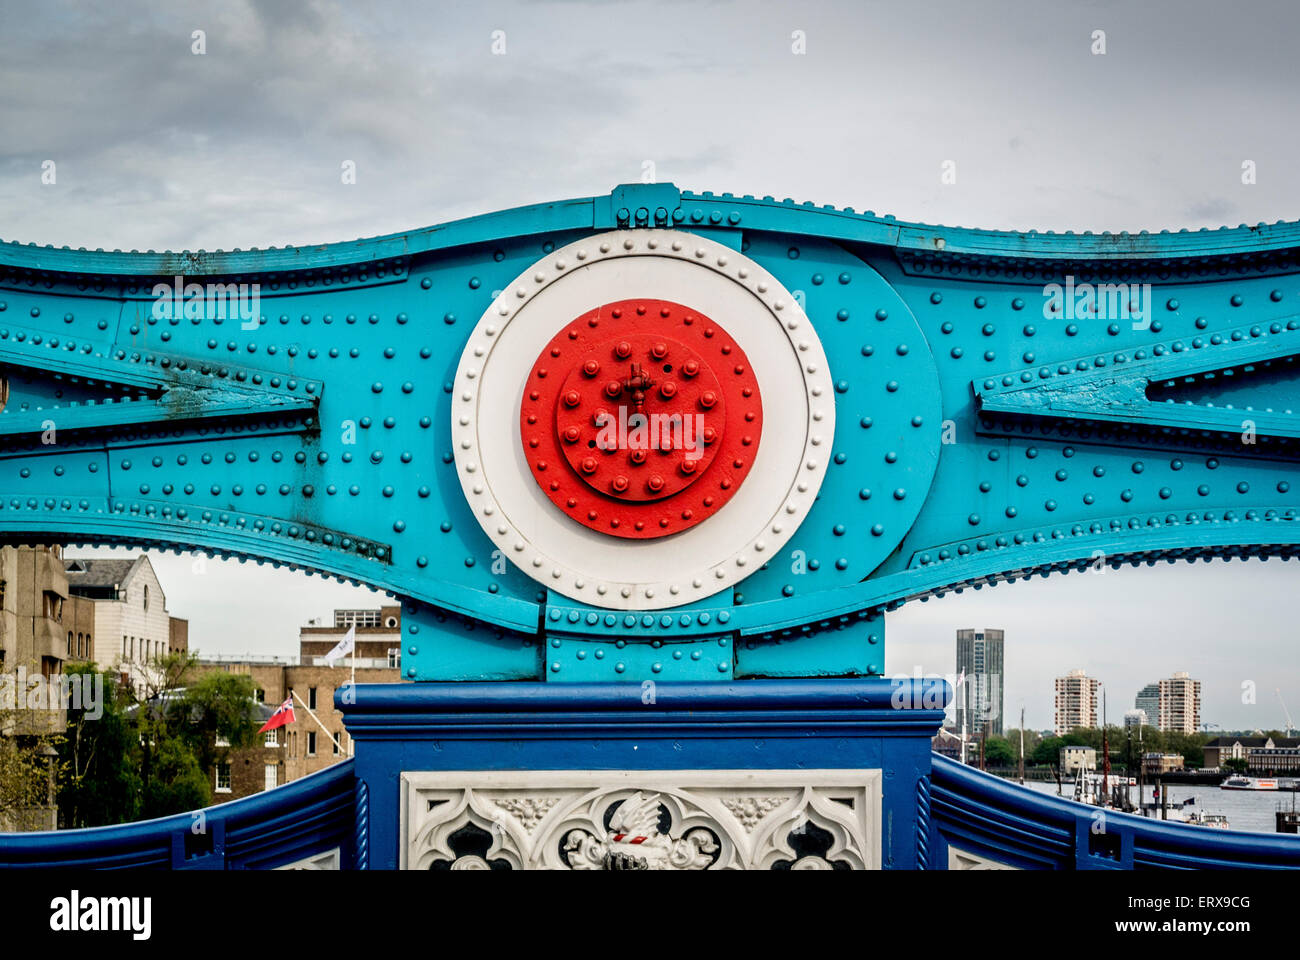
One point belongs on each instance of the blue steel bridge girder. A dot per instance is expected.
(979, 434)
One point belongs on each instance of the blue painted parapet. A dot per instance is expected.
(765, 774)
(309, 824)
(978, 821)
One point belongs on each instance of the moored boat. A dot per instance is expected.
(1239, 782)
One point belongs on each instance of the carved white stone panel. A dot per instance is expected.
(329, 860)
(961, 860)
(641, 820)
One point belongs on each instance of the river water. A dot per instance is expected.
(1249, 810)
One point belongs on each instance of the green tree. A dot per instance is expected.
(99, 755)
(178, 783)
(220, 706)
(29, 737)
(1048, 751)
(1234, 764)
(998, 753)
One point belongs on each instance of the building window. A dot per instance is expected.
(335, 742)
(221, 741)
(272, 738)
(69, 643)
(260, 695)
(272, 776)
(394, 656)
(311, 698)
(311, 743)
(146, 596)
(52, 606)
(359, 618)
(223, 778)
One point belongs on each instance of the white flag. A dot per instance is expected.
(343, 647)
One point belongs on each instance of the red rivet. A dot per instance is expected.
(708, 399)
(572, 398)
(541, 464)
(613, 389)
(572, 434)
(533, 443)
(668, 388)
(640, 310)
(659, 351)
(726, 348)
(619, 483)
(688, 467)
(655, 483)
(572, 502)
(591, 368)
(555, 351)
(591, 514)
(589, 465)
(541, 373)
(623, 350)
(687, 514)
(690, 368)
(746, 440)
(555, 484)
(739, 370)
(710, 434)
(637, 457)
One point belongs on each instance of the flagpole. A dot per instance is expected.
(312, 713)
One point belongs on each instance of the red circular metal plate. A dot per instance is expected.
(641, 418)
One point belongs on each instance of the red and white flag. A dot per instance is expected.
(283, 714)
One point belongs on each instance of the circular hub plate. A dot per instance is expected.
(641, 418)
(721, 507)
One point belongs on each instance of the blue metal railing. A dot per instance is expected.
(993, 819)
(301, 819)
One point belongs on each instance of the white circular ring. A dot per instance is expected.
(785, 355)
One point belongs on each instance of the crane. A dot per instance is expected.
(1289, 725)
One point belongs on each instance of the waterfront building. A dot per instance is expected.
(1076, 702)
(42, 628)
(979, 697)
(1075, 758)
(1148, 701)
(1136, 718)
(132, 628)
(1179, 707)
(306, 746)
(1154, 764)
(1264, 755)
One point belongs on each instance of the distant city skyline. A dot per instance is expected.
(158, 148)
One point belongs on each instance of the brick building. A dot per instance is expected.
(305, 746)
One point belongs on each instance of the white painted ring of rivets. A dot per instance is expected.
(698, 273)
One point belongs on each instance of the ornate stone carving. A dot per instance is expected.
(750, 810)
(642, 820)
(961, 860)
(529, 811)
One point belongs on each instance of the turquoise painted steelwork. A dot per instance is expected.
(993, 422)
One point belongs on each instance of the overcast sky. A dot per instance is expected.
(157, 147)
